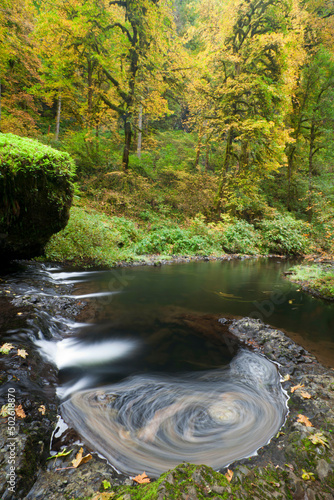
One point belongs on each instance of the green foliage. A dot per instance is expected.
(20, 153)
(169, 240)
(241, 237)
(92, 238)
(283, 234)
(90, 152)
(176, 150)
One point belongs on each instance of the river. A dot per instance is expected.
(148, 375)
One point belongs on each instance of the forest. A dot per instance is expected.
(197, 126)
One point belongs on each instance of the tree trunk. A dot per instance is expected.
(290, 170)
(140, 127)
(90, 92)
(207, 155)
(199, 146)
(127, 144)
(310, 170)
(58, 118)
(228, 151)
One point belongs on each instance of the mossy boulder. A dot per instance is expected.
(36, 192)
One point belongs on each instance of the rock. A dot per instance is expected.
(218, 489)
(323, 469)
(35, 195)
(310, 494)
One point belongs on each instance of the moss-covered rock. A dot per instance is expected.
(35, 195)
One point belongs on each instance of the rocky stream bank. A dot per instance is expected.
(298, 463)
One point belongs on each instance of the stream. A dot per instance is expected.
(148, 375)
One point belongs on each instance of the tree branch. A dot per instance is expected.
(116, 84)
(115, 25)
(110, 105)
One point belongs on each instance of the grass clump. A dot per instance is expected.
(315, 278)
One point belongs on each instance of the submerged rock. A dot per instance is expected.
(35, 195)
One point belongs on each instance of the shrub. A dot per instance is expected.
(285, 235)
(169, 240)
(92, 238)
(240, 237)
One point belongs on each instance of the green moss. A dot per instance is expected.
(23, 154)
(36, 191)
(316, 278)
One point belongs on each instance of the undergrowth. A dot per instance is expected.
(96, 238)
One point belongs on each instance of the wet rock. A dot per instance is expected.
(323, 469)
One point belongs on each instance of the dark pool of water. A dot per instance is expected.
(256, 288)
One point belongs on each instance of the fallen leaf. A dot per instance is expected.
(20, 412)
(319, 438)
(142, 478)
(19, 314)
(307, 475)
(286, 378)
(79, 459)
(104, 496)
(42, 409)
(106, 484)
(305, 395)
(229, 475)
(5, 348)
(4, 412)
(304, 420)
(293, 389)
(62, 453)
(22, 352)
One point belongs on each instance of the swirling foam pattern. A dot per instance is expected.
(153, 423)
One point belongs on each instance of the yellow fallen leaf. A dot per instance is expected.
(286, 378)
(20, 411)
(319, 438)
(42, 409)
(293, 389)
(304, 420)
(19, 314)
(22, 352)
(104, 496)
(79, 459)
(307, 475)
(305, 395)
(5, 348)
(142, 478)
(229, 475)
